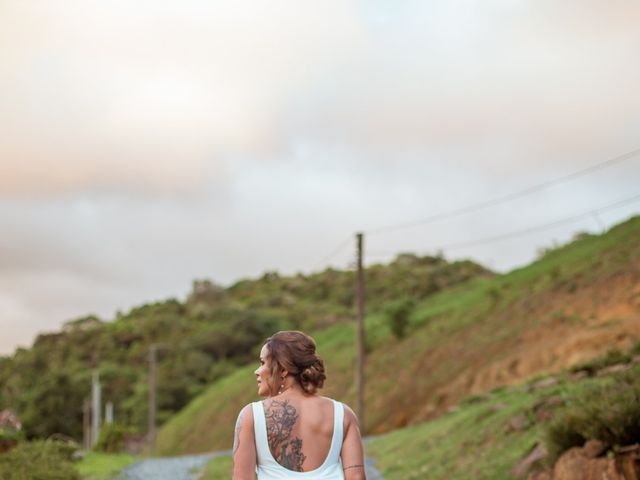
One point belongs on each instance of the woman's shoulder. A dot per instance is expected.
(329, 399)
(349, 415)
(245, 416)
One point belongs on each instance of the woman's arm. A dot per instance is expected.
(244, 446)
(352, 451)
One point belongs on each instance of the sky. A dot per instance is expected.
(147, 144)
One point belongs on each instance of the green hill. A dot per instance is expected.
(202, 339)
(575, 303)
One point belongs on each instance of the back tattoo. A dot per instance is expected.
(287, 450)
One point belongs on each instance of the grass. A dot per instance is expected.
(103, 466)
(475, 441)
(478, 440)
(453, 339)
(218, 468)
(609, 412)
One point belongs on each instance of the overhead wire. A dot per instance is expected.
(484, 204)
(505, 198)
(335, 251)
(516, 233)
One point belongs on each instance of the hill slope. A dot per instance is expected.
(199, 340)
(575, 303)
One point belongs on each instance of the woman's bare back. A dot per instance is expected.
(299, 430)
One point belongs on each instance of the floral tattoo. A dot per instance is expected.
(286, 449)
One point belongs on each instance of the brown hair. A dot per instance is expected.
(295, 352)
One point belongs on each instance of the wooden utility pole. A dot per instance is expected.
(360, 333)
(152, 396)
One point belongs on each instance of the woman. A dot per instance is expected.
(295, 433)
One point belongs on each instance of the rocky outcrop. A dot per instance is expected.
(586, 463)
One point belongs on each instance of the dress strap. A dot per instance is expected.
(338, 433)
(260, 431)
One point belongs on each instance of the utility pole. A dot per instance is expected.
(108, 413)
(152, 396)
(86, 424)
(360, 333)
(95, 407)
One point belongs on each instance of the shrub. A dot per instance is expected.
(635, 349)
(607, 412)
(42, 460)
(398, 316)
(112, 437)
(612, 357)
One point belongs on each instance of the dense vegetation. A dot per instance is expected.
(42, 460)
(200, 340)
(608, 411)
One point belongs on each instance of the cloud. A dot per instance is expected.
(526, 75)
(149, 96)
(149, 143)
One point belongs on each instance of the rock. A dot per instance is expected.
(574, 465)
(620, 367)
(536, 454)
(544, 383)
(629, 462)
(496, 407)
(541, 475)
(630, 448)
(544, 408)
(518, 423)
(584, 464)
(593, 448)
(544, 415)
(579, 375)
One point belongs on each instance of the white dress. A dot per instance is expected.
(268, 468)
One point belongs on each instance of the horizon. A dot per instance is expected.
(182, 298)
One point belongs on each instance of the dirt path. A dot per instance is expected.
(187, 468)
(173, 468)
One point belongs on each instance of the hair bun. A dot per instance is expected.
(312, 377)
(295, 352)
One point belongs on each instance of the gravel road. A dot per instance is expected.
(173, 468)
(187, 468)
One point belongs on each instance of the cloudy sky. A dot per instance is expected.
(145, 144)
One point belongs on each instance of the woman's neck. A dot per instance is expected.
(290, 389)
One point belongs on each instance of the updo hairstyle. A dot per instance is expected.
(295, 352)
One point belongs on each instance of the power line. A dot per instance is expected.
(517, 233)
(335, 251)
(505, 198)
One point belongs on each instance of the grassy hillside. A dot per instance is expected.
(575, 303)
(213, 332)
(488, 436)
